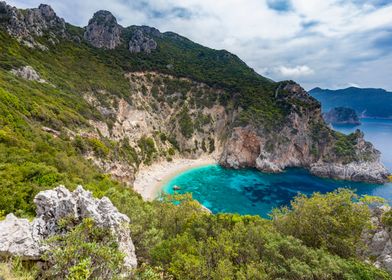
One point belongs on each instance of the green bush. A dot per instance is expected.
(148, 150)
(86, 251)
(185, 122)
(333, 221)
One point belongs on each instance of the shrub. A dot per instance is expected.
(86, 251)
(333, 221)
(185, 122)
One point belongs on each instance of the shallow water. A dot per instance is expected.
(252, 192)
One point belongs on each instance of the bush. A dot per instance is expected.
(86, 251)
(185, 122)
(148, 150)
(333, 221)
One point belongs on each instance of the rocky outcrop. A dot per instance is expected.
(142, 39)
(28, 73)
(342, 115)
(30, 23)
(304, 140)
(103, 31)
(19, 237)
(371, 172)
(378, 240)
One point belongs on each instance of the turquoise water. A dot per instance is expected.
(252, 192)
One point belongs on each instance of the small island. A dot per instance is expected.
(342, 115)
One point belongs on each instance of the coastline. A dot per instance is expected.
(150, 179)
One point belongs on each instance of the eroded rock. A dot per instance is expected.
(19, 237)
(103, 31)
(142, 39)
(30, 23)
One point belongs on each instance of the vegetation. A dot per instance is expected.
(86, 251)
(174, 237)
(333, 221)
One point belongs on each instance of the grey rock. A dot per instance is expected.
(28, 73)
(31, 23)
(19, 237)
(142, 39)
(378, 240)
(367, 171)
(103, 31)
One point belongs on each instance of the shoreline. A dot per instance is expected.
(151, 179)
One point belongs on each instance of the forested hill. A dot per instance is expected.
(367, 102)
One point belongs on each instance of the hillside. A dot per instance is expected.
(367, 102)
(92, 106)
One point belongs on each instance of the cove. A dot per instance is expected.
(249, 191)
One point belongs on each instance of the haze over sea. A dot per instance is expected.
(252, 192)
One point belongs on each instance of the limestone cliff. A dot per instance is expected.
(304, 141)
(183, 118)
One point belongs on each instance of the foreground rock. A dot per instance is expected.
(19, 237)
(378, 240)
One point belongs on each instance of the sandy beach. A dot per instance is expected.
(150, 179)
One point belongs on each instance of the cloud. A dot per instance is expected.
(294, 72)
(319, 42)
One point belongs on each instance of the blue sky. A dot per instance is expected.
(326, 43)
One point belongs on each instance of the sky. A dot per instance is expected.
(325, 43)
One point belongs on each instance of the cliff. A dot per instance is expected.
(123, 97)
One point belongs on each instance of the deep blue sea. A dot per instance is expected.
(252, 192)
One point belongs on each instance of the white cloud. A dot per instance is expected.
(318, 42)
(294, 72)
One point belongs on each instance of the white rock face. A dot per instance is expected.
(19, 237)
(28, 73)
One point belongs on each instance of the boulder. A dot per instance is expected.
(27, 73)
(19, 237)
